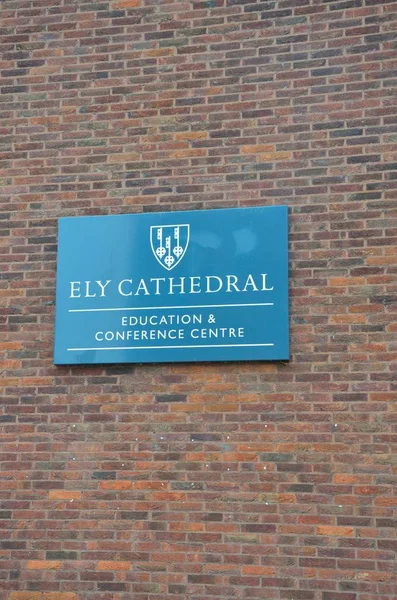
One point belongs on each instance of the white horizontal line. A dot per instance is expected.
(168, 307)
(172, 347)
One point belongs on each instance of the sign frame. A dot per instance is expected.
(223, 272)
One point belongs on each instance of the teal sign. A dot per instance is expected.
(207, 285)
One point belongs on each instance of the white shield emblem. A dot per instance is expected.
(169, 243)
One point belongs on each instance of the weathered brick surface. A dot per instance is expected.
(190, 482)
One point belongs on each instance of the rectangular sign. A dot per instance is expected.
(208, 285)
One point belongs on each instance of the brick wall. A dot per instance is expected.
(196, 482)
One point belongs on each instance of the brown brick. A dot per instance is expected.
(257, 148)
(274, 156)
(108, 565)
(188, 153)
(116, 485)
(124, 157)
(333, 530)
(45, 70)
(26, 596)
(64, 495)
(256, 570)
(44, 564)
(386, 501)
(348, 478)
(192, 135)
(126, 4)
(59, 596)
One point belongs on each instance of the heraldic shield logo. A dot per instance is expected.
(169, 243)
